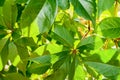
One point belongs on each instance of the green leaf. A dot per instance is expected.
(58, 75)
(9, 13)
(62, 35)
(3, 33)
(12, 52)
(2, 2)
(103, 6)
(63, 4)
(26, 41)
(62, 57)
(40, 65)
(85, 8)
(14, 76)
(90, 43)
(47, 15)
(80, 74)
(3, 52)
(21, 1)
(62, 71)
(106, 55)
(110, 27)
(38, 68)
(41, 59)
(23, 52)
(105, 69)
(72, 69)
(30, 12)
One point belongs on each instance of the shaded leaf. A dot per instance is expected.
(9, 13)
(105, 69)
(40, 65)
(2, 2)
(14, 76)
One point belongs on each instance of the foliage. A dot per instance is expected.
(59, 39)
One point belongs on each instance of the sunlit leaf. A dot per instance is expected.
(110, 27)
(47, 15)
(31, 11)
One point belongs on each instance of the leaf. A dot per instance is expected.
(26, 41)
(105, 69)
(62, 35)
(58, 75)
(40, 65)
(103, 6)
(85, 8)
(63, 4)
(30, 12)
(90, 43)
(14, 76)
(3, 53)
(41, 59)
(47, 15)
(72, 69)
(106, 55)
(80, 74)
(2, 2)
(62, 58)
(38, 68)
(12, 52)
(3, 33)
(23, 52)
(9, 13)
(62, 71)
(21, 1)
(110, 27)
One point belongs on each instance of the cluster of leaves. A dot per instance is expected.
(59, 39)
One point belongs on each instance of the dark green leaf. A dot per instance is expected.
(38, 68)
(90, 43)
(47, 15)
(31, 11)
(41, 59)
(62, 35)
(26, 41)
(105, 69)
(2, 2)
(62, 57)
(40, 65)
(110, 27)
(63, 4)
(72, 69)
(103, 6)
(9, 13)
(85, 8)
